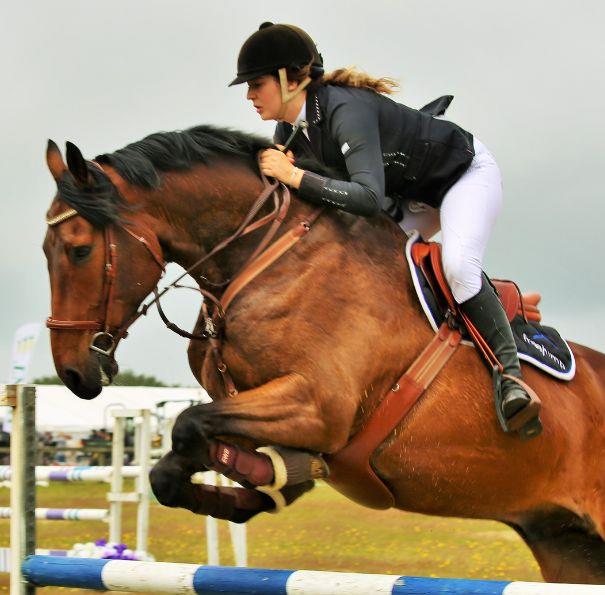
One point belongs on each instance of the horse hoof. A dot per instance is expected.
(531, 429)
(234, 504)
(189, 434)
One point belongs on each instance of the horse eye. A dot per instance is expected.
(81, 252)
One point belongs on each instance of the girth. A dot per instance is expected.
(351, 471)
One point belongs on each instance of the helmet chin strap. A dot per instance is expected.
(287, 96)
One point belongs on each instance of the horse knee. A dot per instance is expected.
(189, 432)
(163, 488)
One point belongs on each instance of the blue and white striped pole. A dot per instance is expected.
(162, 577)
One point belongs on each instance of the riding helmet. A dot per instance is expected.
(276, 46)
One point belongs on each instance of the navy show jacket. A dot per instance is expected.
(384, 150)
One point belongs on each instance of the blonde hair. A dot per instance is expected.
(351, 77)
(346, 77)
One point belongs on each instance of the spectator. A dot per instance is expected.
(60, 442)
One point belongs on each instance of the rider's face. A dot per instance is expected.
(265, 94)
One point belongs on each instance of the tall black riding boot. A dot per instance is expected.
(487, 314)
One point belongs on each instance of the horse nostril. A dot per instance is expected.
(80, 385)
(72, 378)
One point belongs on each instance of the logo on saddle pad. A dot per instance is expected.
(542, 349)
(539, 345)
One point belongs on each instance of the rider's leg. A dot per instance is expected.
(468, 213)
(487, 314)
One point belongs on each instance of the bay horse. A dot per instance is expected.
(313, 343)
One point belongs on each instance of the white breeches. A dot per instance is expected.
(466, 218)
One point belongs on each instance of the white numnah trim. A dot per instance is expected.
(413, 237)
(561, 375)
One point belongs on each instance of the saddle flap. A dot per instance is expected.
(515, 303)
(509, 296)
(427, 256)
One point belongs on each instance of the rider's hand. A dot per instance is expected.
(280, 166)
(288, 153)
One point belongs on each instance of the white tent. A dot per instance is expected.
(58, 409)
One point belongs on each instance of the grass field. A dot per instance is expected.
(323, 531)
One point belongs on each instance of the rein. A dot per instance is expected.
(263, 255)
(277, 216)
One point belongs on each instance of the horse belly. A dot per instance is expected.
(449, 456)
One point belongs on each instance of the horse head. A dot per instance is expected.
(103, 260)
(177, 197)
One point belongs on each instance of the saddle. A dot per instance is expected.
(427, 257)
(540, 345)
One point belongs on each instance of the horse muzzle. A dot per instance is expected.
(87, 382)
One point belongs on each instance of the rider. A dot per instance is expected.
(394, 159)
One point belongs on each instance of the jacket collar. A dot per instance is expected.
(314, 115)
(311, 146)
(314, 118)
(311, 112)
(302, 115)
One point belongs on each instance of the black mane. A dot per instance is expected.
(142, 162)
(97, 201)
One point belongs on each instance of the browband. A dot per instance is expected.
(61, 217)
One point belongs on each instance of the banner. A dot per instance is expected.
(23, 347)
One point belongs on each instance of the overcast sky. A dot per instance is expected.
(528, 77)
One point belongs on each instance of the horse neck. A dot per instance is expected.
(196, 210)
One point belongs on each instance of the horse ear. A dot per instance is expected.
(76, 163)
(54, 160)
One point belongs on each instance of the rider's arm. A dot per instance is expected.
(354, 126)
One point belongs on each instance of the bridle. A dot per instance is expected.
(263, 255)
(103, 335)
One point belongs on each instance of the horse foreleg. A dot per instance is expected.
(171, 483)
(281, 412)
(285, 411)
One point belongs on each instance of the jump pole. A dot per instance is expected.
(64, 514)
(164, 578)
(74, 474)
